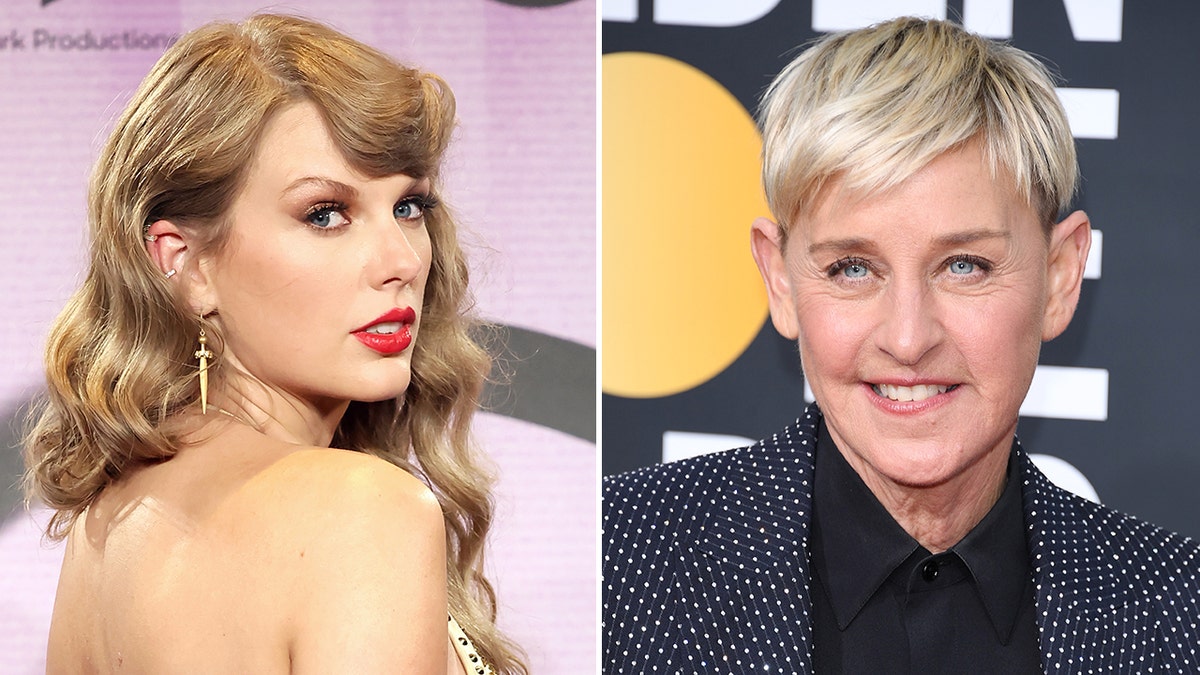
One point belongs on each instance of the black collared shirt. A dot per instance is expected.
(882, 603)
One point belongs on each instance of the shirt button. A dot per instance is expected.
(930, 571)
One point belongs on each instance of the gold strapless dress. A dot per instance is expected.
(471, 660)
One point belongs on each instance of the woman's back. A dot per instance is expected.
(215, 561)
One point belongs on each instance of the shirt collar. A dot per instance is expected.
(997, 554)
(869, 544)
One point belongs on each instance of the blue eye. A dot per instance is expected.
(854, 271)
(961, 267)
(326, 216)
(849, 267)
(409, 209)
(968, 265)
(415, 207)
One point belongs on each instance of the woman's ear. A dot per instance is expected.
(170, 249)
(766, 244)
(1070, 242)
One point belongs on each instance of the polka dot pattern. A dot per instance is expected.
(706, 570)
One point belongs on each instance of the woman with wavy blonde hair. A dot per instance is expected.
(256, 437)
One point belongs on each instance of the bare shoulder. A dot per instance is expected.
(342, 481)
(365, 541)
(323, 504)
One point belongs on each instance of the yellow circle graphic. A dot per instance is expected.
(682, 298)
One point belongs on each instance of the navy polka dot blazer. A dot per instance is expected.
(706, 570)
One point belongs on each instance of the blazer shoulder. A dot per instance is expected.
(667, 484)
(1138, 538)
(649, 516)
(1150, 553)
(1065, 517)
(653, 500)
(668, 527)
(649, 509)
(1161, 568)
(667, 490)
(1105, 560)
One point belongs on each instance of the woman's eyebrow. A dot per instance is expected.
(971, 236)
(339, 189)
(845, 245)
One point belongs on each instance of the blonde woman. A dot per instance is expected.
(921, 251)
(256, 438)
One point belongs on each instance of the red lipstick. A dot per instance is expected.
(392, 342)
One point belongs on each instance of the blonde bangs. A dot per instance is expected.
(875, 106)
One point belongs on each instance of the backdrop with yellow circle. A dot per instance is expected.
(682, 298)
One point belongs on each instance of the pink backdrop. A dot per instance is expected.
(521, 175)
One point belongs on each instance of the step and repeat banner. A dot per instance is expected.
(691, 362)
(521, 176)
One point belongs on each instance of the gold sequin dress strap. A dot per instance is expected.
(467, 653)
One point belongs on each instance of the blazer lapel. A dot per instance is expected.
(744, 575)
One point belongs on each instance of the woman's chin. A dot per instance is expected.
(382, 385)
(928, 467)
(377, 394)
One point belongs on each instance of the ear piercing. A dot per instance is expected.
(153, 238)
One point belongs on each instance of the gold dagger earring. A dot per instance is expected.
(204, 354)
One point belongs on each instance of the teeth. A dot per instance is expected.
(386, 328)
(918, 392)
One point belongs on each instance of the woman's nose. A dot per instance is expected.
(910, 326)
(399, 251)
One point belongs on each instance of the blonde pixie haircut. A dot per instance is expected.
(121, 380)
(874, 106)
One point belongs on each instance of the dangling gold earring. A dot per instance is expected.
(204, 354)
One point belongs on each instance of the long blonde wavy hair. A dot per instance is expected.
(119, 364)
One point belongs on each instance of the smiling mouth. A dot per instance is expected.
(918, 392)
